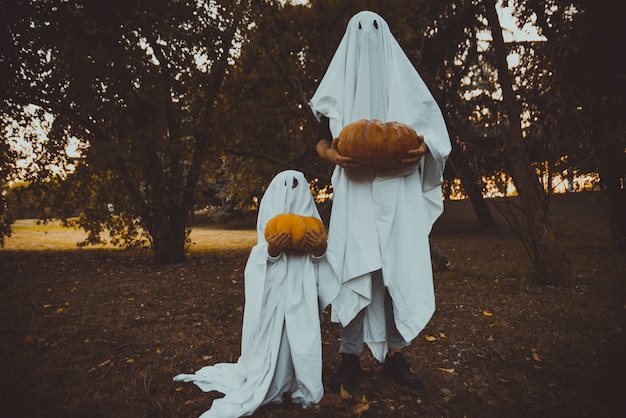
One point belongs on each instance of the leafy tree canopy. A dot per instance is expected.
(138, 83)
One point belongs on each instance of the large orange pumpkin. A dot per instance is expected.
(297, 226)
(377, 144)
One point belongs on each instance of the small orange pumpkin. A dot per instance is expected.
(297, 226)
(377, 144)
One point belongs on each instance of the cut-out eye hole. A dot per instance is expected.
(376, 24)
(295, 183)
(359, 25)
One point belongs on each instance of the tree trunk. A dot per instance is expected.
(552, 266)
(169, 238)
(472, 186)
(613, 181)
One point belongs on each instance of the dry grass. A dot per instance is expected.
(208, 239)
(28, 234)
(579, 219)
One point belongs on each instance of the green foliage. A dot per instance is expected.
(7, 168)
(265, 103)
(173, 119)
(137, 83)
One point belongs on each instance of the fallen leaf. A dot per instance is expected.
(104, 363)
(158, 350)
(331, 400)
(430, 338)
(486, 313)
(130, 360)
(46, 306)
(442, 335)
(535, 354)
(344, 393)
(358, 409)
(450, 371)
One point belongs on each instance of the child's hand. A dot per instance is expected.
(278, 242)
(317, 240)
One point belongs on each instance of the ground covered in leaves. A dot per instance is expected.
(101, 333)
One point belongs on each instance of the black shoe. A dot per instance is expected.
(348, 374)
(397, 369)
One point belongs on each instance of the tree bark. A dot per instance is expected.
(613, 181)
(552, 266)
(472, 186)
(169, 239)
(169, 236)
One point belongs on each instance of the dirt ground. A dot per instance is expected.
(101, 333)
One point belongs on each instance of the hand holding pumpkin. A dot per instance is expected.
(339, 159)
(316, 239)
(379, 144)
(278, 242)
(298, 229)
(329, 152)
(414, 155)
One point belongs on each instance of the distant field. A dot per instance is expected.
(575, 216)
(28, 235)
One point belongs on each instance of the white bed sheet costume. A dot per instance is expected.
(281, 349)
(381, 218)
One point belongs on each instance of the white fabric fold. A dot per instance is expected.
(381, 219)
(281, 349)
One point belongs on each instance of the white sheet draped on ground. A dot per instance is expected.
(370, 77)
(281, 347)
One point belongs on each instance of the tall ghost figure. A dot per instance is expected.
(381, 218)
